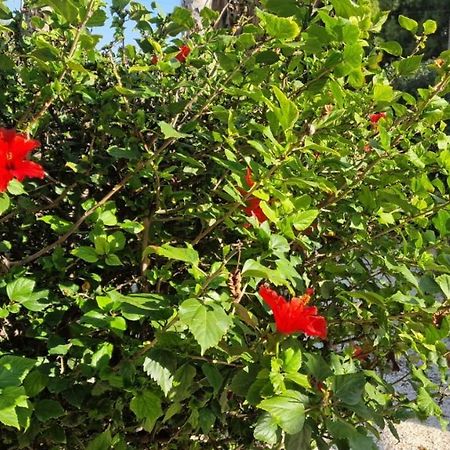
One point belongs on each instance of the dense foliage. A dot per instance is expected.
(276, 159)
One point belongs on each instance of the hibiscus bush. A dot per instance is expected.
(219, 239)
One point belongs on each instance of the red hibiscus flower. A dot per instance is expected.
(294, 316)
(374, 118)
(253, 207)
(183, 54)
(14, 148)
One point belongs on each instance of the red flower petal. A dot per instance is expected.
(14, 148)
(294, 316)
(249, 178)
(5, 178)
(374, 118)
(183, 54)
(24, 169)
(271, 297)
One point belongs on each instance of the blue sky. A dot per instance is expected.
(166, 5)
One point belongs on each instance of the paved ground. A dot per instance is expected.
(415, 435)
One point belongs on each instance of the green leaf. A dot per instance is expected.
(15, 187)
(183, 17)
(407, 23)
(87, 254)
(346, 8)
(188, 254)
(65, 8)
(287, 410)
(304, 219)
(120, 4)
(35, 382)
(48, 409)
(299, 441)
(157, 367)
(391, 47)
(429, 26)
(282, 28)
(383, 93)
(409, 66)
(169, 131)
(213, 376)
(101, 442)
(4, 202)
(345, 431)
(426, 403)
(208, 324)
(254, 268)
(56, 223)
(349, 387)
(266, 429)
(14, 369)
(20, 289)
(131, 227)
(11, 397)
(146, 406)
(288, 113)
(444, 283)
(97, 19)
(113, 260)
(292, 359)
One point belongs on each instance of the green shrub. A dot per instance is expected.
(277, 159)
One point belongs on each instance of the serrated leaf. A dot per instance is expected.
(287, 410)
(426, 403)
(159, 373)
(65, 8)
(14, 369)
(409, 65)
(208, 324)
(279, 27)
(146, 406)
(10, 398)
(266, 429)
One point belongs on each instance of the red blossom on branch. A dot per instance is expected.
(253, 207)
(294, 316)
(183, 53)
(14, 148)
(374, 118)
(154, 60)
